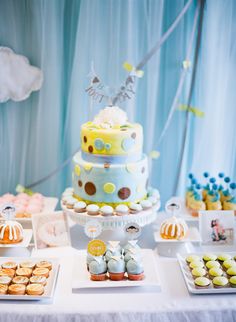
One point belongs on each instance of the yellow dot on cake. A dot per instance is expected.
(109, 187)
(77, 170)
(88, 166)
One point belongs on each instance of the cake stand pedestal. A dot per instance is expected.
(113, 226)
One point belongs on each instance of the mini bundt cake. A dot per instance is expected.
(173, 228)
(11, 232)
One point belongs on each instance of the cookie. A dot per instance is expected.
(5, 280)
(11, 265)
(3, 289)
(35, 289)
(20, 280)
(7, 272)
(27, 264)
(38, 280)
(24, 272)
(16, 289)
(41, 272)
(44, 264)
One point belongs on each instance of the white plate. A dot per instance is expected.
(81, 277)
(27, 235)
(48, 289)
(190, 281)
(50, 204)
(193, 236)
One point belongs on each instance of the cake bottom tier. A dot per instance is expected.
(109, 183)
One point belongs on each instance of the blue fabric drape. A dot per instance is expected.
(63, 37)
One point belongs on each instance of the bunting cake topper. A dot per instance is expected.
(99, 92)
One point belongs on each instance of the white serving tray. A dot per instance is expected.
(190, 281)
(193, 236)
(81, 277)
(48, 289)
(27, 235)
(50, 204)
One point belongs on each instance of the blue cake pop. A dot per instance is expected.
(190, 176)
(212, 180)
(221, 174)
(206, 174)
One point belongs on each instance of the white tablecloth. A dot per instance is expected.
(173, 303)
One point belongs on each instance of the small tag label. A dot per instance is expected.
(96, 247)
(114, 243)
(132, 230)
(93, 229)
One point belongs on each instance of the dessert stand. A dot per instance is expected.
(170, 247)
(113, 226)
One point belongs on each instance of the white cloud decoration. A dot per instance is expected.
(17, 77)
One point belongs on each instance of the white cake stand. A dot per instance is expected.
(113, 226)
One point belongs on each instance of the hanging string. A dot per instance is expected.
(182, 78)
(139, 66)
(201, 3)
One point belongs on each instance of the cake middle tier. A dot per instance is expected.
(110, 183)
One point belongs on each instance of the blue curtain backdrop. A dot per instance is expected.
(63, 37)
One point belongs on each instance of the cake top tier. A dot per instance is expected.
(110, 134)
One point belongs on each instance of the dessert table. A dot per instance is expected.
(173, 303)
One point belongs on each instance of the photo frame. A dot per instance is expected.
(217, 227)
(51, 230)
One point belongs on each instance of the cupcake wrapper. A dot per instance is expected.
(98, 277)
(136, 277)
(116, 276)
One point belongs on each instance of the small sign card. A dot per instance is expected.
(50, 230)
(217, 227)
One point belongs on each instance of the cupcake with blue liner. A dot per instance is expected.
(135, 269)
(90, 258)
(114, 244)
(132, 244)
(98, 269)
(116, 268)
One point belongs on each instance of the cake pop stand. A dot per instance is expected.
(113, 226)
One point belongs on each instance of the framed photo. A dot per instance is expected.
(217, 227)
(50, 230)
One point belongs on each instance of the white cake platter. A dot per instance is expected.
(81, 277)
(50, 204)
(143, 218)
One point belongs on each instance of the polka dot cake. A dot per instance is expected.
(111, 167)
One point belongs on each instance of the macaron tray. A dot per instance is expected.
(82, 279)
(27, 278)
(211, 286)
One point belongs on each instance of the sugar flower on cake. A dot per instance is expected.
(110, 116)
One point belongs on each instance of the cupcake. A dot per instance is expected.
(116, 268)
(70, 201)
(131, 253)
(209, 257)
(135, 208)
(114, 244)
(220, 282)
(213, 201)
(202, 282)
(231, 271)
(98, 269)
(191, 258)
(135, 269)
(198, 272)
(230, 204)
(122, 210)
(196, 264)
(112, 252)
(196, 204)
(228, 263)
(232, 281)
(92, 210)
(106, 211)
(214, 272)
(211, 264)
(131, 245)
(223, 257)
(80, 206)
(146, 204)
(90, 258)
